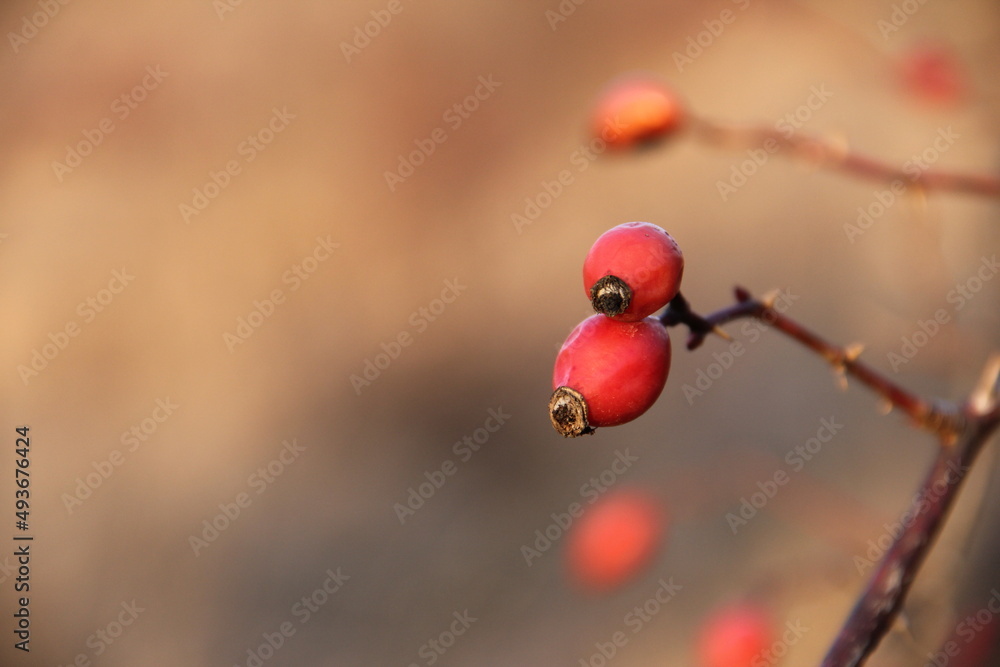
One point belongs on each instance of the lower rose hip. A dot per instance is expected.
(608, 373)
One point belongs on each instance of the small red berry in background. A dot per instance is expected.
(615, 539)
(974, 641)
(933, 74)
(608, 373)
(734, 636)
(636, 110)
(632, 271)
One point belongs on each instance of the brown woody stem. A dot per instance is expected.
(963, 431)
(883, 596)
(825, 152)
(844, 360)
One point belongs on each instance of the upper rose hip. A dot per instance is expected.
(632, 271)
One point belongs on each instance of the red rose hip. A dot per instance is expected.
(608, 373)
(632, 271)
(932, 73)
(636, 110)
(735, 636)
(615, 540)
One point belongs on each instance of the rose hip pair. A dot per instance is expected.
(614, 365)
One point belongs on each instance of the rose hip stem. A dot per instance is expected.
(932, 417)
(962, 431)
(828, 153)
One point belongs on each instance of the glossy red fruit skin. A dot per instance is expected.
(636, 110)
(645, 257)
(735, 636)
(620, 368)
(614, 540)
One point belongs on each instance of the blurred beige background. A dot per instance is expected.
(251, 114)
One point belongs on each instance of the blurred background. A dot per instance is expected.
(253, 333)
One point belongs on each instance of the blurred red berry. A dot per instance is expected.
(632, 271)
(636, 110)
(932, 74)
(735, 636)
(615, 539)
(608, 373)
(973, 641)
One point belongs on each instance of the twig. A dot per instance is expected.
(883, 597)
(939, 420)
(963, 431)
(825, 152)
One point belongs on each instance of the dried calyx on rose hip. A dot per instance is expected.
(608, 373)
(632, 271)
(636, 110)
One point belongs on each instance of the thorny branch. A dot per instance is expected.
(962, 431)
(822, 151)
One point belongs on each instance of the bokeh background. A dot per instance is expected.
(226, 70)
